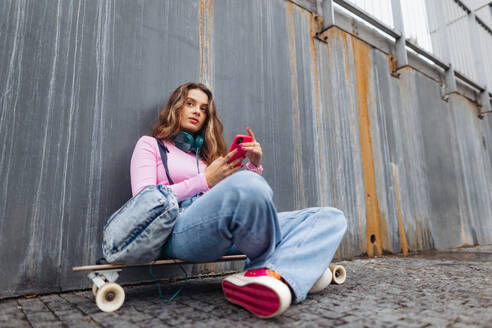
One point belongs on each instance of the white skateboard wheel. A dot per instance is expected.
(323, 281)
(110, 297)
(339, 274)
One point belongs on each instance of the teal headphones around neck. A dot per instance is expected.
(186, 142)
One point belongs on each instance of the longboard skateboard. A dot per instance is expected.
(110, 296)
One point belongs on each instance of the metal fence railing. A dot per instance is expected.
(414, 17)
(415, 20)
(468, 41)
(380, 9)
(449, 33)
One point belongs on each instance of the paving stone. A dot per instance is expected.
(11, 314)
(68, 315)
(38, 314)
(112, 320)
(83, 304)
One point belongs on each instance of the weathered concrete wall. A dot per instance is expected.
(80, 81)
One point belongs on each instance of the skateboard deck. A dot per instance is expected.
(110, 296)
(160, 262)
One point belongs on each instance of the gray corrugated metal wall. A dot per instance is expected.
(80, 81)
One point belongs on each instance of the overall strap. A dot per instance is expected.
(163, 150)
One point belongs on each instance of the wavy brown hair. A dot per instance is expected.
(167, 124)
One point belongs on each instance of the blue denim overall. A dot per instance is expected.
(238, 216)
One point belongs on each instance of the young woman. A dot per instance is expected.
(226, 209)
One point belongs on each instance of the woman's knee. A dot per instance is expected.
(336, 218)
(250, 185)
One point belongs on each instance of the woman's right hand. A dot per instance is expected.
(220, 169)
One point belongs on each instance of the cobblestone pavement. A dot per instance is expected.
(437, 289)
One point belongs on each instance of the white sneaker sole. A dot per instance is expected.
(264, 296)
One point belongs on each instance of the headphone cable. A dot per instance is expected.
(197, 166)
(156, 281)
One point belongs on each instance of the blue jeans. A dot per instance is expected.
(238, 214)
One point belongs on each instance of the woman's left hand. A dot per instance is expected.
(253, 149)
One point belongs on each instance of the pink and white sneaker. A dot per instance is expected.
(260, 291)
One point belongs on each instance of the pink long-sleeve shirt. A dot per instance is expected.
(146, 169)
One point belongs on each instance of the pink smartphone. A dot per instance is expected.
(238, 139)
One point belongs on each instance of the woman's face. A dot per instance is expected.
(194, 111)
